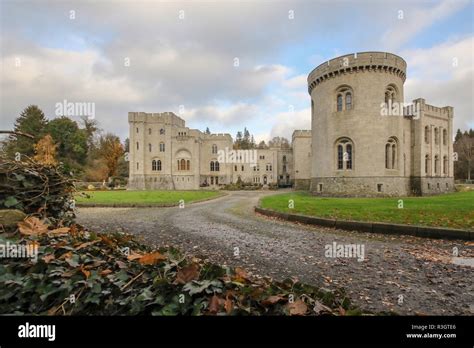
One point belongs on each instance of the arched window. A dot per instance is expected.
(427, 164)
(387, 156)
(427, 134)
(391, 154)
(284, 159)
(217, 166)
(344, 97)
(345, 154)
(340, 157)
(149, 147)
(149, 131)
(445, 165)
(183, 164)
(390, 95)
(158, 165)
(339, 102)
(138, 146)
(153, 165)
(162, 147)
(394, 156)
(445, 136)
(188, 165)
(436, 135)
(348, 101)
(436, 165)
(214, 148)
(212, 166)
(348, 156)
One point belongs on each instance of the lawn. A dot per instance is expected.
(454, 210)
(158, 198)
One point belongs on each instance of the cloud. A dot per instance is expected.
(287, 122)
(189, 61)
(443, 75)
(412, 20)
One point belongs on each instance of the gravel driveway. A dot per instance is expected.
(405, 274)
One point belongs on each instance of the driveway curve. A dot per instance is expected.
(404, 274)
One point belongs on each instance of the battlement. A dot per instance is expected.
(355, 62)
(443, 111)
(160, 117)
(301, 133)
(217, 136)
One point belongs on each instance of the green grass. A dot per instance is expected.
(454, 210)
(144, 197)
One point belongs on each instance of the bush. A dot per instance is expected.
(44, 191)
(116, 275)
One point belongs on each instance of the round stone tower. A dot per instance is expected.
(359, 131)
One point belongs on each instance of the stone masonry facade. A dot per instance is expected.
(167, 155)
(364, 141)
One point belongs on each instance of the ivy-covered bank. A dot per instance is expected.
(51, 266)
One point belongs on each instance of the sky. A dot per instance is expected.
(225, 65)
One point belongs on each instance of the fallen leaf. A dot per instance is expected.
(133, 256)
(214, 304)
(48, 258)
(188, 273)
(272, 300)
(297, 308)
(83, 245)
(107, 241)
(320, 308)
(32, 226)
(240, 275)
(228, 306)
(67, 255)
(86, 272)
(105, 272)
(152, 258)
(60, 230)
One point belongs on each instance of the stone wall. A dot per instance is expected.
(361, 186)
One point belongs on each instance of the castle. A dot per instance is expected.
(364, 141)
(165, 154)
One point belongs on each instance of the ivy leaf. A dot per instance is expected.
(196, 287)
(10, 202)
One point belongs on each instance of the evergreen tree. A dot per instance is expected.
(252, 142)
(458, 135)
(31, 121)
(71, 141)
(238, 140)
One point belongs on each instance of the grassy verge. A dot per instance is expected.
(158, 198)
(454, 210)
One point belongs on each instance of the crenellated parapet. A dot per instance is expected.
(156, 117)
(357, 62)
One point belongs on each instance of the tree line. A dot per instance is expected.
(244, 140)
(82, 147)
